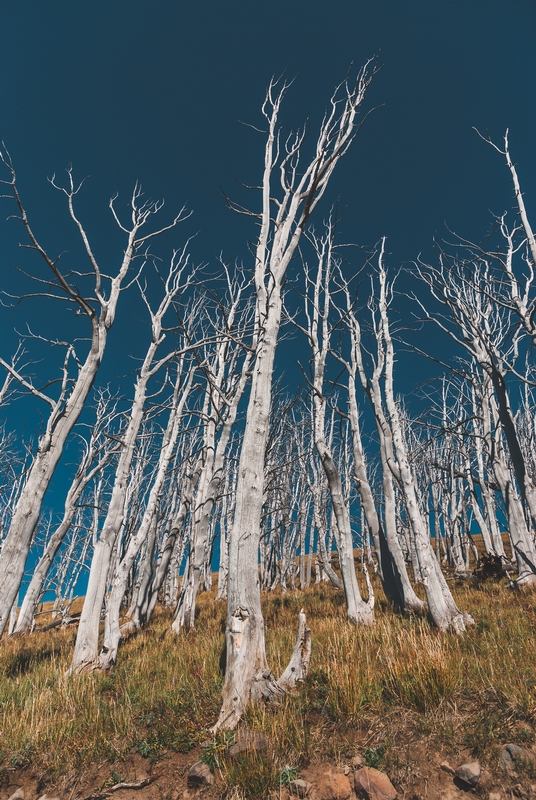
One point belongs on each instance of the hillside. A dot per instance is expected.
(401, 696)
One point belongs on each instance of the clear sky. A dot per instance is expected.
(155, 92)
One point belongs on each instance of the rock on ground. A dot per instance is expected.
(511, 753)
(333, 786)
(373, 785)
(469, 773)
(200, 775)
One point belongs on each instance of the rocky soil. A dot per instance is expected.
(188, 777)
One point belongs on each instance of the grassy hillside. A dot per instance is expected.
(384, 690)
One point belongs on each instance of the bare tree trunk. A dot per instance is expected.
(64, 411)
(147, 529)
(247, 677)
(209, 487)
(13, 616)
(84, 475)
(521, 538)
(477, 512)
(86, 649)
(324, 569)
(319, 335)
(225, 527)
(397, 585)
(443, 609)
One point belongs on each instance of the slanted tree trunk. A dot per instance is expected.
(485, 492)
(86, 649)
(394, 574)
(66, 409)
(325, 571)
(521, 538)
(86, 472)
(210, 481)
(147, 528)
(225, 526)
(282, 222)
(318, 309)
(443, 609)
(476, 509)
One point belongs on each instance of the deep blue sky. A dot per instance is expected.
(127, 91)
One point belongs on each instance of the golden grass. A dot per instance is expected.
(381, 687)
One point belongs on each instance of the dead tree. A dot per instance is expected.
(98, 305)
(86, 650)
(282, 222)
(318, 310)
(443, 609)
(226, 518)
(483, 329)
(96, 453)
(396, 582)
(146, 531)
(227, 373)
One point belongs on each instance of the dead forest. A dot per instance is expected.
(262, 442)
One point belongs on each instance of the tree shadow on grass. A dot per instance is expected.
(21, 662)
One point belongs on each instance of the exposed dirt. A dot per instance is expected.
(416, 773)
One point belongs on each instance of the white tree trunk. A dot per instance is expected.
(247, 677)
(112, 631)
(521, 537)
(396, 581)
(66, 410)
(86, 649)
(318, 309)
(209, 486)
(443, 609)
(85, 474)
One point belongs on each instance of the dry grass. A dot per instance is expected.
(381, 688)
(160, 696)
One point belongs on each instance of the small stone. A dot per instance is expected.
(469, 773)
(507, 762)
(445, 766)
(333, 786)
(18, 795)
(175, 795)
(357, 762)
(346, 770)
(299, 787)
(200, 775)
(206, 743)
(511, 753)
(372, 784)
(46, 797)
(248, 741)
(494, 796)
